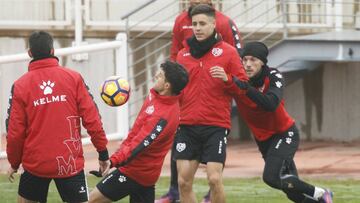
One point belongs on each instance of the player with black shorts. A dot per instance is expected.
(139, 159)
(206, 104)
(262, 108)
(46, 106)
(182, 30)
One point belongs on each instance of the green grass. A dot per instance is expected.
(237, 190)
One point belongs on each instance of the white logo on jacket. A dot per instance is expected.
(217, 51)
(67, 164)
(150, 109)
(278, 84)
(180, 147)
(158, 128)
(47, 87)
(187, 27)
(153, 136)
(278, 75)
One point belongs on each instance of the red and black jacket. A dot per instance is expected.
(142, 153)
(262, 107)
(207, 100)
(46, 107)
(182, 30)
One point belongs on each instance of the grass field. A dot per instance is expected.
(237, 190)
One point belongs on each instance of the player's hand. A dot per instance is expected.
(218, 72)
(10, 173)
(104, 167)
(96, 173)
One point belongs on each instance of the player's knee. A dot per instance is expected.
(214, 180)
(184, 183)
(272, 180)
(288, 182)
(96, 196)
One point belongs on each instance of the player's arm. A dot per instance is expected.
(91, 119)
(271, 99)
(234, 71)
(16, 128)
(232, 35)
(176, 44)
(148, 133)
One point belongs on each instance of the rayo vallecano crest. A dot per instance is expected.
(217, 51)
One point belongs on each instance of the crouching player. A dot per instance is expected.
(262, 108)
(140, 157)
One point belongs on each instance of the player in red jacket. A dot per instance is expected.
(206, 103)
(182, 29)
(46, 107)
(262, 108)
(140, 157)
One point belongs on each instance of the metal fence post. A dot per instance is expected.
(284, 18)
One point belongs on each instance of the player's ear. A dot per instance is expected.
(52, 51)
(167, 86)
(30, 54)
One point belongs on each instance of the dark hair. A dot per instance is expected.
(176, 75)
(40, 43)
(203, 9)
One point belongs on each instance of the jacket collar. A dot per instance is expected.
(164, 99)
(43, 63)
(199, 49)
(258, 80)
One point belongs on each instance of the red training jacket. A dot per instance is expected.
(207, 100)
(142, 153)
(43, 124)
(265, 123)
(182, 30)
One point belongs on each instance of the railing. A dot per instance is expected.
(269, 21)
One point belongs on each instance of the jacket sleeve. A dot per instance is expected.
(16, 129)
(230, 34)
(91, 119)
(147, 134)
(235, 70)
(176, 44)
(271, 99)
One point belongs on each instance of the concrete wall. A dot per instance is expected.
(325, 102)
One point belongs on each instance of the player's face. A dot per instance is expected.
(161, 85)
(197, 2)
(203, 26)
(252, 65)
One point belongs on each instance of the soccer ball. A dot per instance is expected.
(115, 91)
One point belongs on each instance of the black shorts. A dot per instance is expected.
(283, 145)
(71, 189)
(116, 186)
(201, 143)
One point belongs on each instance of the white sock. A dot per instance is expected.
(318, 193)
